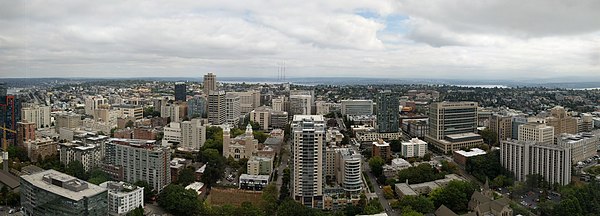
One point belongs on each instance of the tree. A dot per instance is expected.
(488, 166)
(407, 211)
(455, 195)
(129, 124)
(234, 132)
(260, 136)
(75, 168)
(376, 164)
(179, 201)
(97, 176)
(215, 165)
(148, 190)
(139, 211)
(489, 137)
(419, 174)
(417, 203)
(396, 145)
(449, 167)
(569, 206)
(255, 125)
(388, 193)
(269, 199)
(291, 207)
(373, 207)
(186, 176)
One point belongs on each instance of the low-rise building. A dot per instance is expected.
(461, 157)
(382, 149)
(253, 182)
(414, 148)
(123, 197)
(199, 187)
(260, 165)
(406, 189)
(390, 171)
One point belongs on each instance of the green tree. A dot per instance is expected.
(139, 211)
(455, 195)
(97, 176)
(417, 203)
(419, 174)
(290, 207)
(407, 211)
(569, 206)
(179, 201)
(75, 168)
(269, 199)
(186, 176)
(376, 164)
(234, 132)
(215, 166)
(388, 193)
(396, 145)
(148, 190)
(260, 136)
(129, 124)
(489, 137)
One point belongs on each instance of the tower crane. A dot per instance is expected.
(5, 146)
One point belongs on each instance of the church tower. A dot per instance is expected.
(249, 141)
(226, 140)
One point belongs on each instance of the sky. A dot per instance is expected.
(448, 39)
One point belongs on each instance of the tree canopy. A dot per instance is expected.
(419, 174)
(455, 195)
(376, 164)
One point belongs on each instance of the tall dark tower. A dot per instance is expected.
(180, 91)
(388, 109)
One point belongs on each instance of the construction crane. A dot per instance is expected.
(5, 146)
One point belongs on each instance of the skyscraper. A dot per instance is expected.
(197, 107)
(180, 91)
(388, 109)
(216, 107)
(193, 134)
(210, 83)
(308, 151)
(232, 109)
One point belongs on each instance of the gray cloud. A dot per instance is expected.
(494, 39)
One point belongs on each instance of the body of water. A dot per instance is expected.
(483, 86)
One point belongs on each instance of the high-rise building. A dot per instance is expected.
(171, 111)
(308, 153)
(522, 158)
(40, 115)
(210, 83)
(90, 155)
(197, 107)
(300, 104)
(180, 91)
(388, 109)
(537, 132)
(321, 108)
(54, 193)
(123, 197)
(262, 116)
(193, 134)
(453, 125)
(561, 121)
(357, 107)
(25, 132)
(216, 108)
(140, 160)
(10, 114)
(172, 134)
(516, 121)
(278, 119)
(68, 120)
(502, 126)
(232, 109)
(414, 148)
(278, 104)
(249, 100)
(348, 170)
(94, 102)
(585, 123)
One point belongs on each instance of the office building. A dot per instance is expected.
(388, 109)
(585, 123)
(216, 108)
(123, 197)
(461, 157)
(300, 105)
(197, 107)
(278, 119)
(382, 149)
(130, 111)
(68, 120)
(278, 104)
(94, 102)
(321, 108)
(561, 121)
(523, 158)
(180, 91)
(583, 145)
(242, 146)
(40, 115)
(25, 132)
(90, 155)
(51, 192)
(140, 160)
(40, 148)
(415, 128)
(414, 148)
(537, 132)
(308, 154)
(10, 114)
(452, 126)
(357, 107)
(232, 109)
(193, 134)
(516, 121)
(502, 126)
(210, 83)
(348, 170)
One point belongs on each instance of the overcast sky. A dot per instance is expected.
(478, 39)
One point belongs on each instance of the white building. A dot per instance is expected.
(308, 154)
(300, 104)
(278, 104)
(357, 107)
(537, 132)
(170, 111)
(262, 116)
(40, 115)
(193, 134)
(171, 134)
(123, 197)
(249, 100)
(583, 146)
(524, 158)
(348, 170)
(94, 102)
(414, 148)
(90, 155)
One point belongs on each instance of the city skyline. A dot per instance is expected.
(394, 39)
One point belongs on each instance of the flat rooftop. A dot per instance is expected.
(255, 177)
(471, 153)
(313, 117)
(405, 189)
(37, 179)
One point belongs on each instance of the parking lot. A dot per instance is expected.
(532, 198)
(5, 210)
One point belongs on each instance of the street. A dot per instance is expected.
(384, 202)
(285, 156)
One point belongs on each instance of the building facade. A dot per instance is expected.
(123, 197)
(54, 193)
(40, 115)
(388, 109)
(348, 170)
(453, 125)
(180, 91)
(357, 107)
(537, 132)
(210, 83)
(561, 121)
(308, 154)
(522, 158)
(232, 109)
(216, 108)
(193, 134)
(414, 148)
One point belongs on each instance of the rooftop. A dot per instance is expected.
(312, 117)
(196, 186)
(63, 185)
(255, 177)
(471, 153)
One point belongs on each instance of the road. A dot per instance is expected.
(285, 156)
(384, 202)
